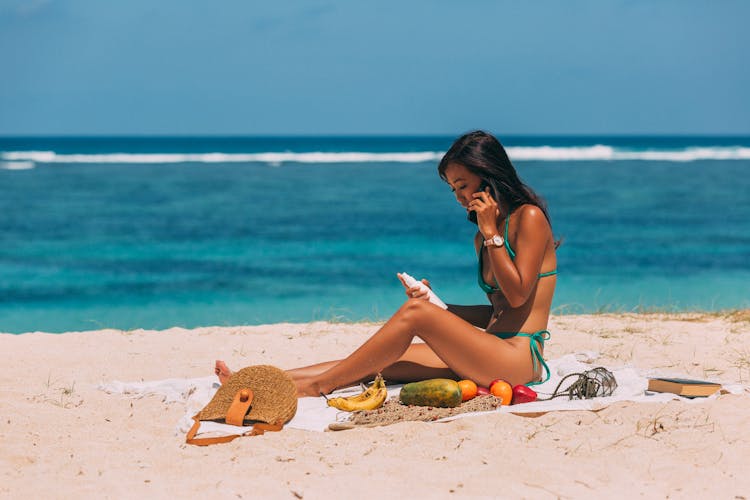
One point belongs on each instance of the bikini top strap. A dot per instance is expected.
(507, 242)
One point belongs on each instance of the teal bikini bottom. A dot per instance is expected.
(536, 356)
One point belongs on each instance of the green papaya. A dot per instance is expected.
(439, 392)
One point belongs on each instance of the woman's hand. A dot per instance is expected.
(415, 292)
(487, 212)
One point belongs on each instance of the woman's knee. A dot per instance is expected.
(415, 310)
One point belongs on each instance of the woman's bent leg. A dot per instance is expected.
(467, 351)
(311, 370)
(419, 362)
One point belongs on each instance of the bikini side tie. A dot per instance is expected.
(536, 355)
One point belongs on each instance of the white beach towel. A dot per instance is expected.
(315, 415)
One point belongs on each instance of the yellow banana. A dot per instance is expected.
(367, 393)
(356, 400)
(375, 401)
(372, 398)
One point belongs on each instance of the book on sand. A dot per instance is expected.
(683, 386)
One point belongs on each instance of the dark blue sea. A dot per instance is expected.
(154, 232)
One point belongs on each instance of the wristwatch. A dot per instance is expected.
(495, 241)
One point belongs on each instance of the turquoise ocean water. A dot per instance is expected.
(159, 232)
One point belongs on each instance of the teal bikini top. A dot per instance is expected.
(491, 289)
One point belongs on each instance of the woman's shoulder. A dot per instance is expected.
(530, 216)
(529, 211)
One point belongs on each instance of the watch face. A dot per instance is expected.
(496, 241)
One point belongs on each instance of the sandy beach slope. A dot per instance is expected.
(61, 437)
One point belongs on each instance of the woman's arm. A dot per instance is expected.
(478, 316)
(515, 278)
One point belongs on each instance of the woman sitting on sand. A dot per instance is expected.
(517, 270)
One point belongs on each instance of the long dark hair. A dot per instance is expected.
(483, 155)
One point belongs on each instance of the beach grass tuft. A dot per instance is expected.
(673, 311)
(738, 316)
(66, 398)
(742, 363)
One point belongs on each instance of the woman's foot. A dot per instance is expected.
(222, 371)
(307, 387)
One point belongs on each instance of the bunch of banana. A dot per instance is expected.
(373, 397)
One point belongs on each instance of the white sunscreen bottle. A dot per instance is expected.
(411, 282)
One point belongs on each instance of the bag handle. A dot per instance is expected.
(256, 430)
(239, 407)
(235, 416)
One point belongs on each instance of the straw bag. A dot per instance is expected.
(261, 396)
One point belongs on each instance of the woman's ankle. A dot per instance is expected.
(310, 387)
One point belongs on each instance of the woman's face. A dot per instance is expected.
(463, 183)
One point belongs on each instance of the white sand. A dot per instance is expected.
(63, 438)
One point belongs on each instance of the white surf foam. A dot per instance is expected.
(273, 158)
(608, 153)
(550, 153)
(688, 154)
(597, 152)
(17, 165)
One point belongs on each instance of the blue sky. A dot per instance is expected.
(385, 67)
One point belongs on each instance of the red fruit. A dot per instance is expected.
(523, 394)
(482, 391)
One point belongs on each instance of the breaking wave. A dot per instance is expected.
(27, 159)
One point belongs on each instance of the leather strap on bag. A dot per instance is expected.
(256, 430)
(235, 416)
(239, 407)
